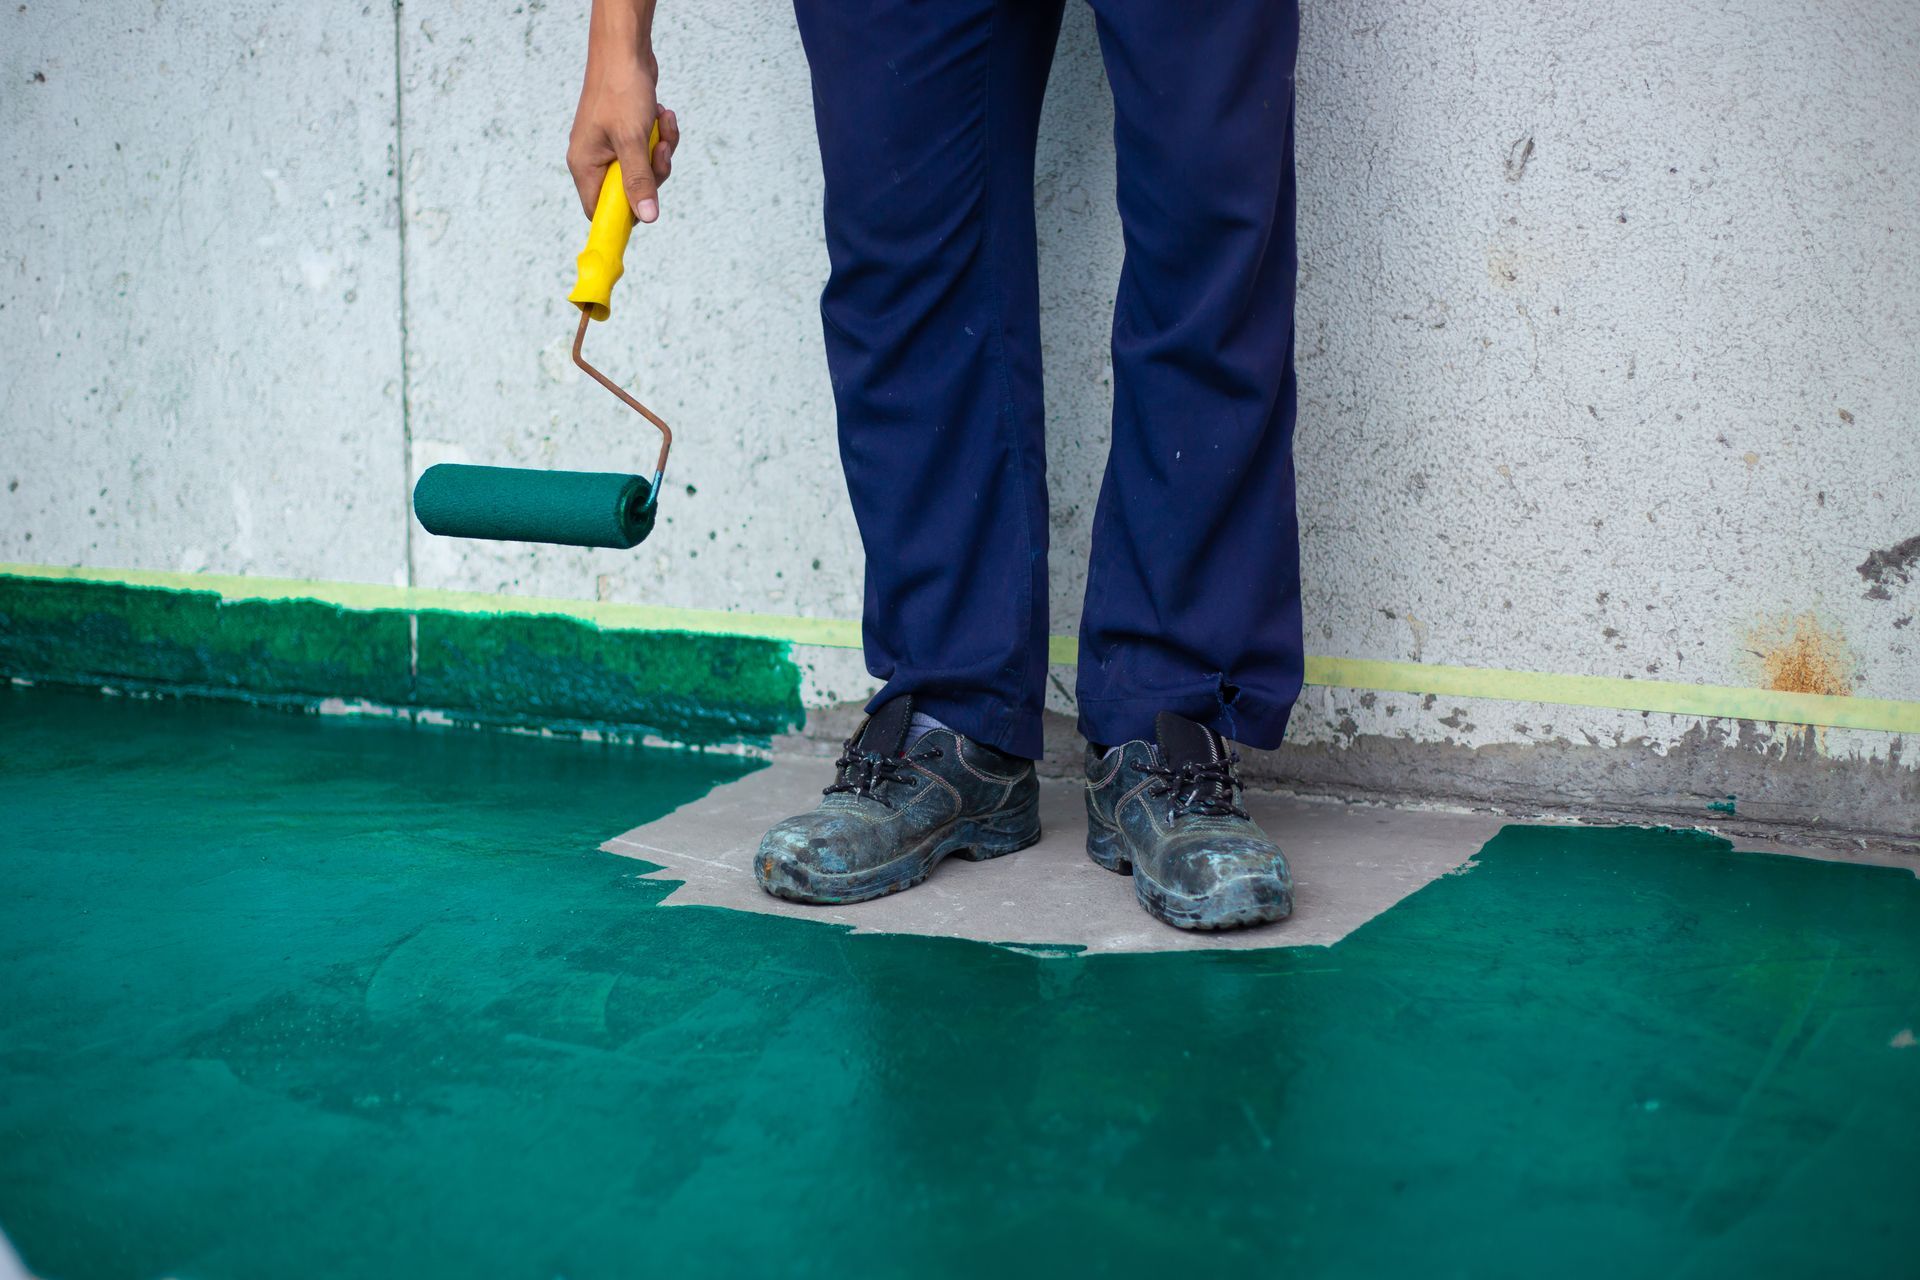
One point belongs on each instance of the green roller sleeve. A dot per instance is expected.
(572, 508)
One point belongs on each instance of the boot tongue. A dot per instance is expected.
(885, 733)
(1184, 742)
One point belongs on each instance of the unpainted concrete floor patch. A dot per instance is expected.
(1350, 863)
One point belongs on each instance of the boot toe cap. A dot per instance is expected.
(1226, 882)
(809, 857)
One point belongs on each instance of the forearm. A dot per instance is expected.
(620, 30)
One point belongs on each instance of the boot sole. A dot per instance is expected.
(1238, 904)
(968, 839)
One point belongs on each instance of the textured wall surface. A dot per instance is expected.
(199, 289)
(1609, 326)
(1610, 334)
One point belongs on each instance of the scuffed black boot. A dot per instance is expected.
(1168, 812)
(894, 810)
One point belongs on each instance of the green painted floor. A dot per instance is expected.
(287, 997)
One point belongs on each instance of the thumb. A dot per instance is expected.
(636, 173)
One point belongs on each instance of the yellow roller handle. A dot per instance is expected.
(603, 261)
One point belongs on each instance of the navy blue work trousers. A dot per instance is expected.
(927, 113)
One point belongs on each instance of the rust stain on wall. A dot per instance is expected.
(1797, 654)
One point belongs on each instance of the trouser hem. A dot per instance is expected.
(1248, 719)
(1016, 732)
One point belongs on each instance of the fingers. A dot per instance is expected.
(589, 169)
(669, 141)
(636, 169)
(593, 149)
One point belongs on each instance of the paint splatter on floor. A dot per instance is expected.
(300, 997)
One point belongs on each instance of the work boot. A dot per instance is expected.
(1168, 813)
(896, 808)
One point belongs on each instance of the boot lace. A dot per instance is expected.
(1208, 788)
(862, 773)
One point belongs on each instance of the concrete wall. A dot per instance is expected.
(199, 277)
(1609, 340)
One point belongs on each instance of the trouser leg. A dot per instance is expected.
(927, 114)
(1193, 595)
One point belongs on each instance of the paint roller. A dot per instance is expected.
(571, 508)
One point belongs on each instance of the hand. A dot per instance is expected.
(616, 114)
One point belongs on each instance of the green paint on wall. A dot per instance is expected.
(137, 637)
(306, 996)
(510, 668)
(687, 688)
